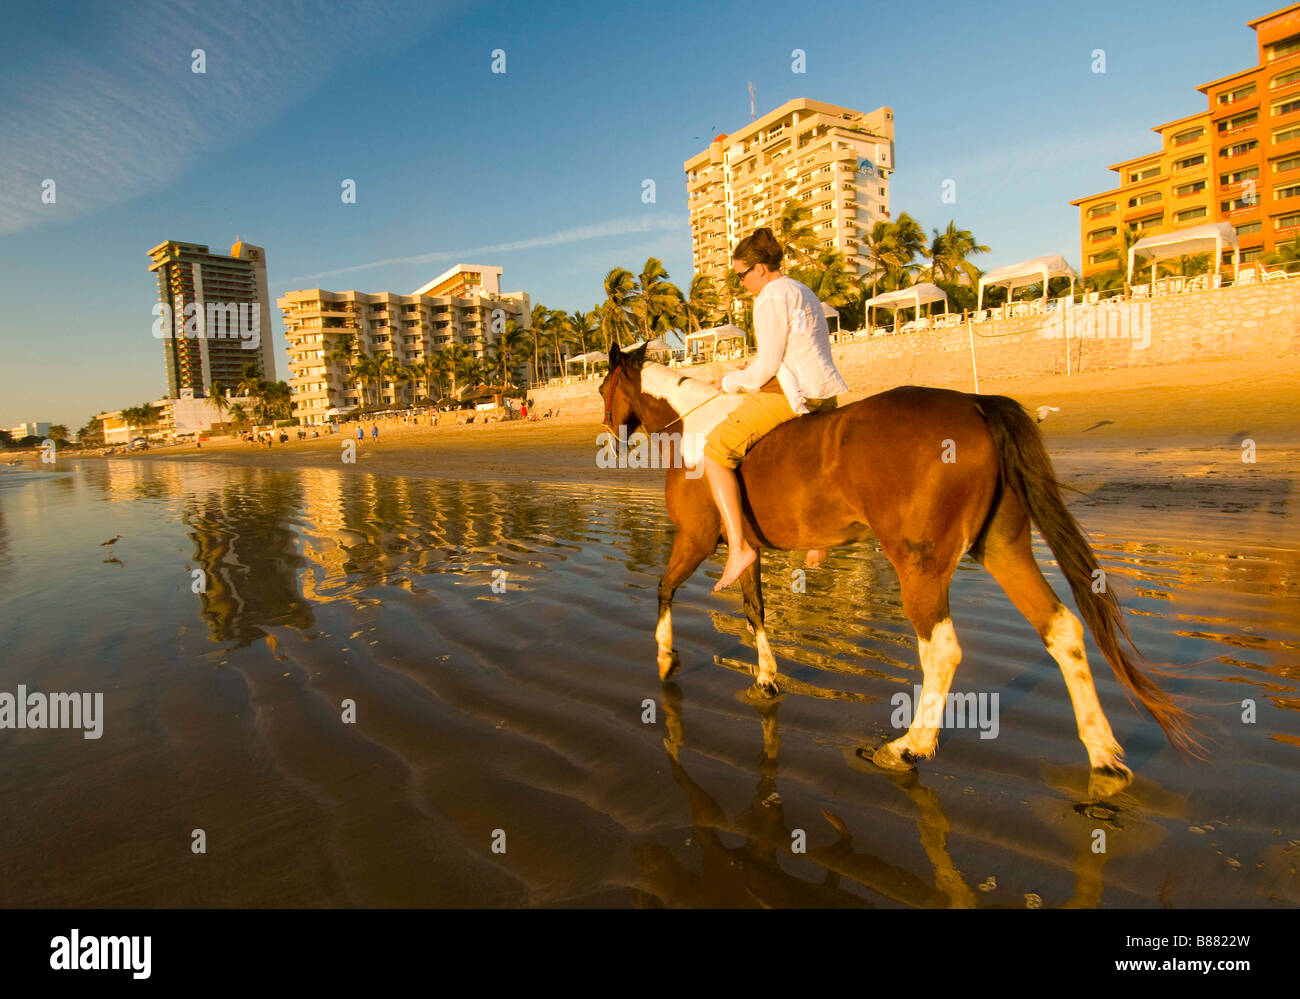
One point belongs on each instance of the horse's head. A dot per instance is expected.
(621, 389)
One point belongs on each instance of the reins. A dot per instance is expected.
(609, 415)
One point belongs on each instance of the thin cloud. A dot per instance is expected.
(600, 230)
(112, 119)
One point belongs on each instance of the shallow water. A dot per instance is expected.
(517, 716)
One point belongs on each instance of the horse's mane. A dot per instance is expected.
(681, 391)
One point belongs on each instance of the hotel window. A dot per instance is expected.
(1286, 135)
(1154, 171)
(1144, 199)
(1189, 162)
(1240, 94)
(1186, 189)
(1101, 258)
(1249, 227)
(1189, 135)
(1097, 211)
(1238, 121)
(1250, 173)
(1286, 107)
(1236, 204)
(1248, 255)
(1284, 79)
(1286, 192)
(1149, 223)
(1287, 221)
(1286, 47)
(1191, 213)
(1240, 149)
(1290, 163)
(1100, 235)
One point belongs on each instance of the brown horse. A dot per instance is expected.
(934, 475)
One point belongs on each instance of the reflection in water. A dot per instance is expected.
(517, 706)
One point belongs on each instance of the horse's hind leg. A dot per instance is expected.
(925, 601)
(751, 585)
(1008, 555)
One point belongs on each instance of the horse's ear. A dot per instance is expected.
(614, 354)
(637, 357)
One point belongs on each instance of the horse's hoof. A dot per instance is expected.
(1110, 779)
(886, 759)
(668, 665)
(763, 693)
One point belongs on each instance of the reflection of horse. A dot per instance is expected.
(934, 475)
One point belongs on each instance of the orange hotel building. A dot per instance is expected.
(1238, 161)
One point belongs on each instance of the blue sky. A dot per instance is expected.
(538, 170)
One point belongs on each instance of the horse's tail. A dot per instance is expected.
(1027, 470)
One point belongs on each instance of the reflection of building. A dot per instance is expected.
(463, 306)
(1238, 161)
(230, 293)
(834, 160)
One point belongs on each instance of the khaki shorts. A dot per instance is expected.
(758, 413)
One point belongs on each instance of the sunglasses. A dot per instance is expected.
(744, 274)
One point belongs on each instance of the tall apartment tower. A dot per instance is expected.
(220, 315)
(1237, 161)
(835, 160)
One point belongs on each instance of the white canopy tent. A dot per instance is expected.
(1028, 272)
(830, 312)
(1213, 236)
(588, 358)
(719, 334)
(908, 298)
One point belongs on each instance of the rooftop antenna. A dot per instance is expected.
(751, 100)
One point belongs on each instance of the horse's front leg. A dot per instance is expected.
(751, 585)
(687, 554)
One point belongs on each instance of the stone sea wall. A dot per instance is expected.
(1260, 320)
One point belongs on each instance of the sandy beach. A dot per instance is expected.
(1171, 418)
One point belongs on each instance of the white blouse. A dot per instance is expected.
(793, 343)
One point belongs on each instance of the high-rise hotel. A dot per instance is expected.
(1238, 161)
(835, 160)
(465, 305)
(230, 292)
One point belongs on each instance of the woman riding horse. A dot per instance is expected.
(791, 374)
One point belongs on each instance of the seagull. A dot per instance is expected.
(111, 541)
(1043, 412)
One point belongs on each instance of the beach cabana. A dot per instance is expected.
(719, 334)
(1025, 273)
(1211, 237)
(907, 298)
(830, 312)
(591, 357)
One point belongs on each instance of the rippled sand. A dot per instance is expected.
(520, 713)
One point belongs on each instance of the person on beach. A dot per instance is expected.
(361, 431)
(374, 431)
(792, 373)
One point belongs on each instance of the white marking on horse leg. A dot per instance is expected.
(940, 655)
(664, 631)
(766, 660)
(1064, 641)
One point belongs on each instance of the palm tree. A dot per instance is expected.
(217, 393)
(149, 414)
(58, 432)
(557, 325)
(620, 290)
(341, 350)
(948, 253)
(795, 231)
(237, 415)
(1286, 255)
(459, 363)
(702, 302)
(827, 276)
(365, 369)
(250, 381)
(583, 329)
(656, 301)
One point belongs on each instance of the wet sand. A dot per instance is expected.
(518, 713)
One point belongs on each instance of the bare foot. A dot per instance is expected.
(815, 557)
(738, 560)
